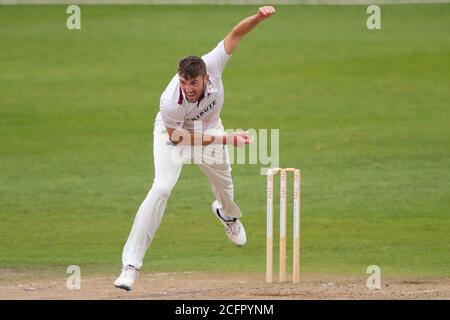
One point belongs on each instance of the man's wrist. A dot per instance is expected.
(258, 18)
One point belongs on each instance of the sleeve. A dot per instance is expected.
(216, 60)
(172, 114)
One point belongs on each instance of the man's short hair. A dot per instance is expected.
(191, 67)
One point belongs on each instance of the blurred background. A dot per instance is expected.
(363, 113)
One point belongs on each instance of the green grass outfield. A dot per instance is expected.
(364, 114)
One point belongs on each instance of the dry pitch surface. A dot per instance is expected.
(198, 286)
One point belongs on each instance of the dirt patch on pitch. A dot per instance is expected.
(199, 286)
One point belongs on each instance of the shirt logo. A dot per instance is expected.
(204, 111)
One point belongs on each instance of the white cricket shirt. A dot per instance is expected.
(176, 112)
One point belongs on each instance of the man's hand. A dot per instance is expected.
(265, 12)
(239, 139)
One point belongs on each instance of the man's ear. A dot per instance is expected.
(206, 78)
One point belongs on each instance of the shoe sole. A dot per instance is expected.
(123, 287)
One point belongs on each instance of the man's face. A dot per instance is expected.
(193, 88)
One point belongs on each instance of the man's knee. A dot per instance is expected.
(162, 189)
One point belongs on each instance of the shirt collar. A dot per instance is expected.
(210, 88)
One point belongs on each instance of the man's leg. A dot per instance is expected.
(219, 176)
(149, 215)
(224, 208)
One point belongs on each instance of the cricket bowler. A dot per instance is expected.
(194, 96)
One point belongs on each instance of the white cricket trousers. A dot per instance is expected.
(168, 161)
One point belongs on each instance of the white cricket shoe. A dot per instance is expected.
(127, 278)
(233, 228)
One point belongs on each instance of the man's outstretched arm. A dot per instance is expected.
(245, 26)
(186, 137)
